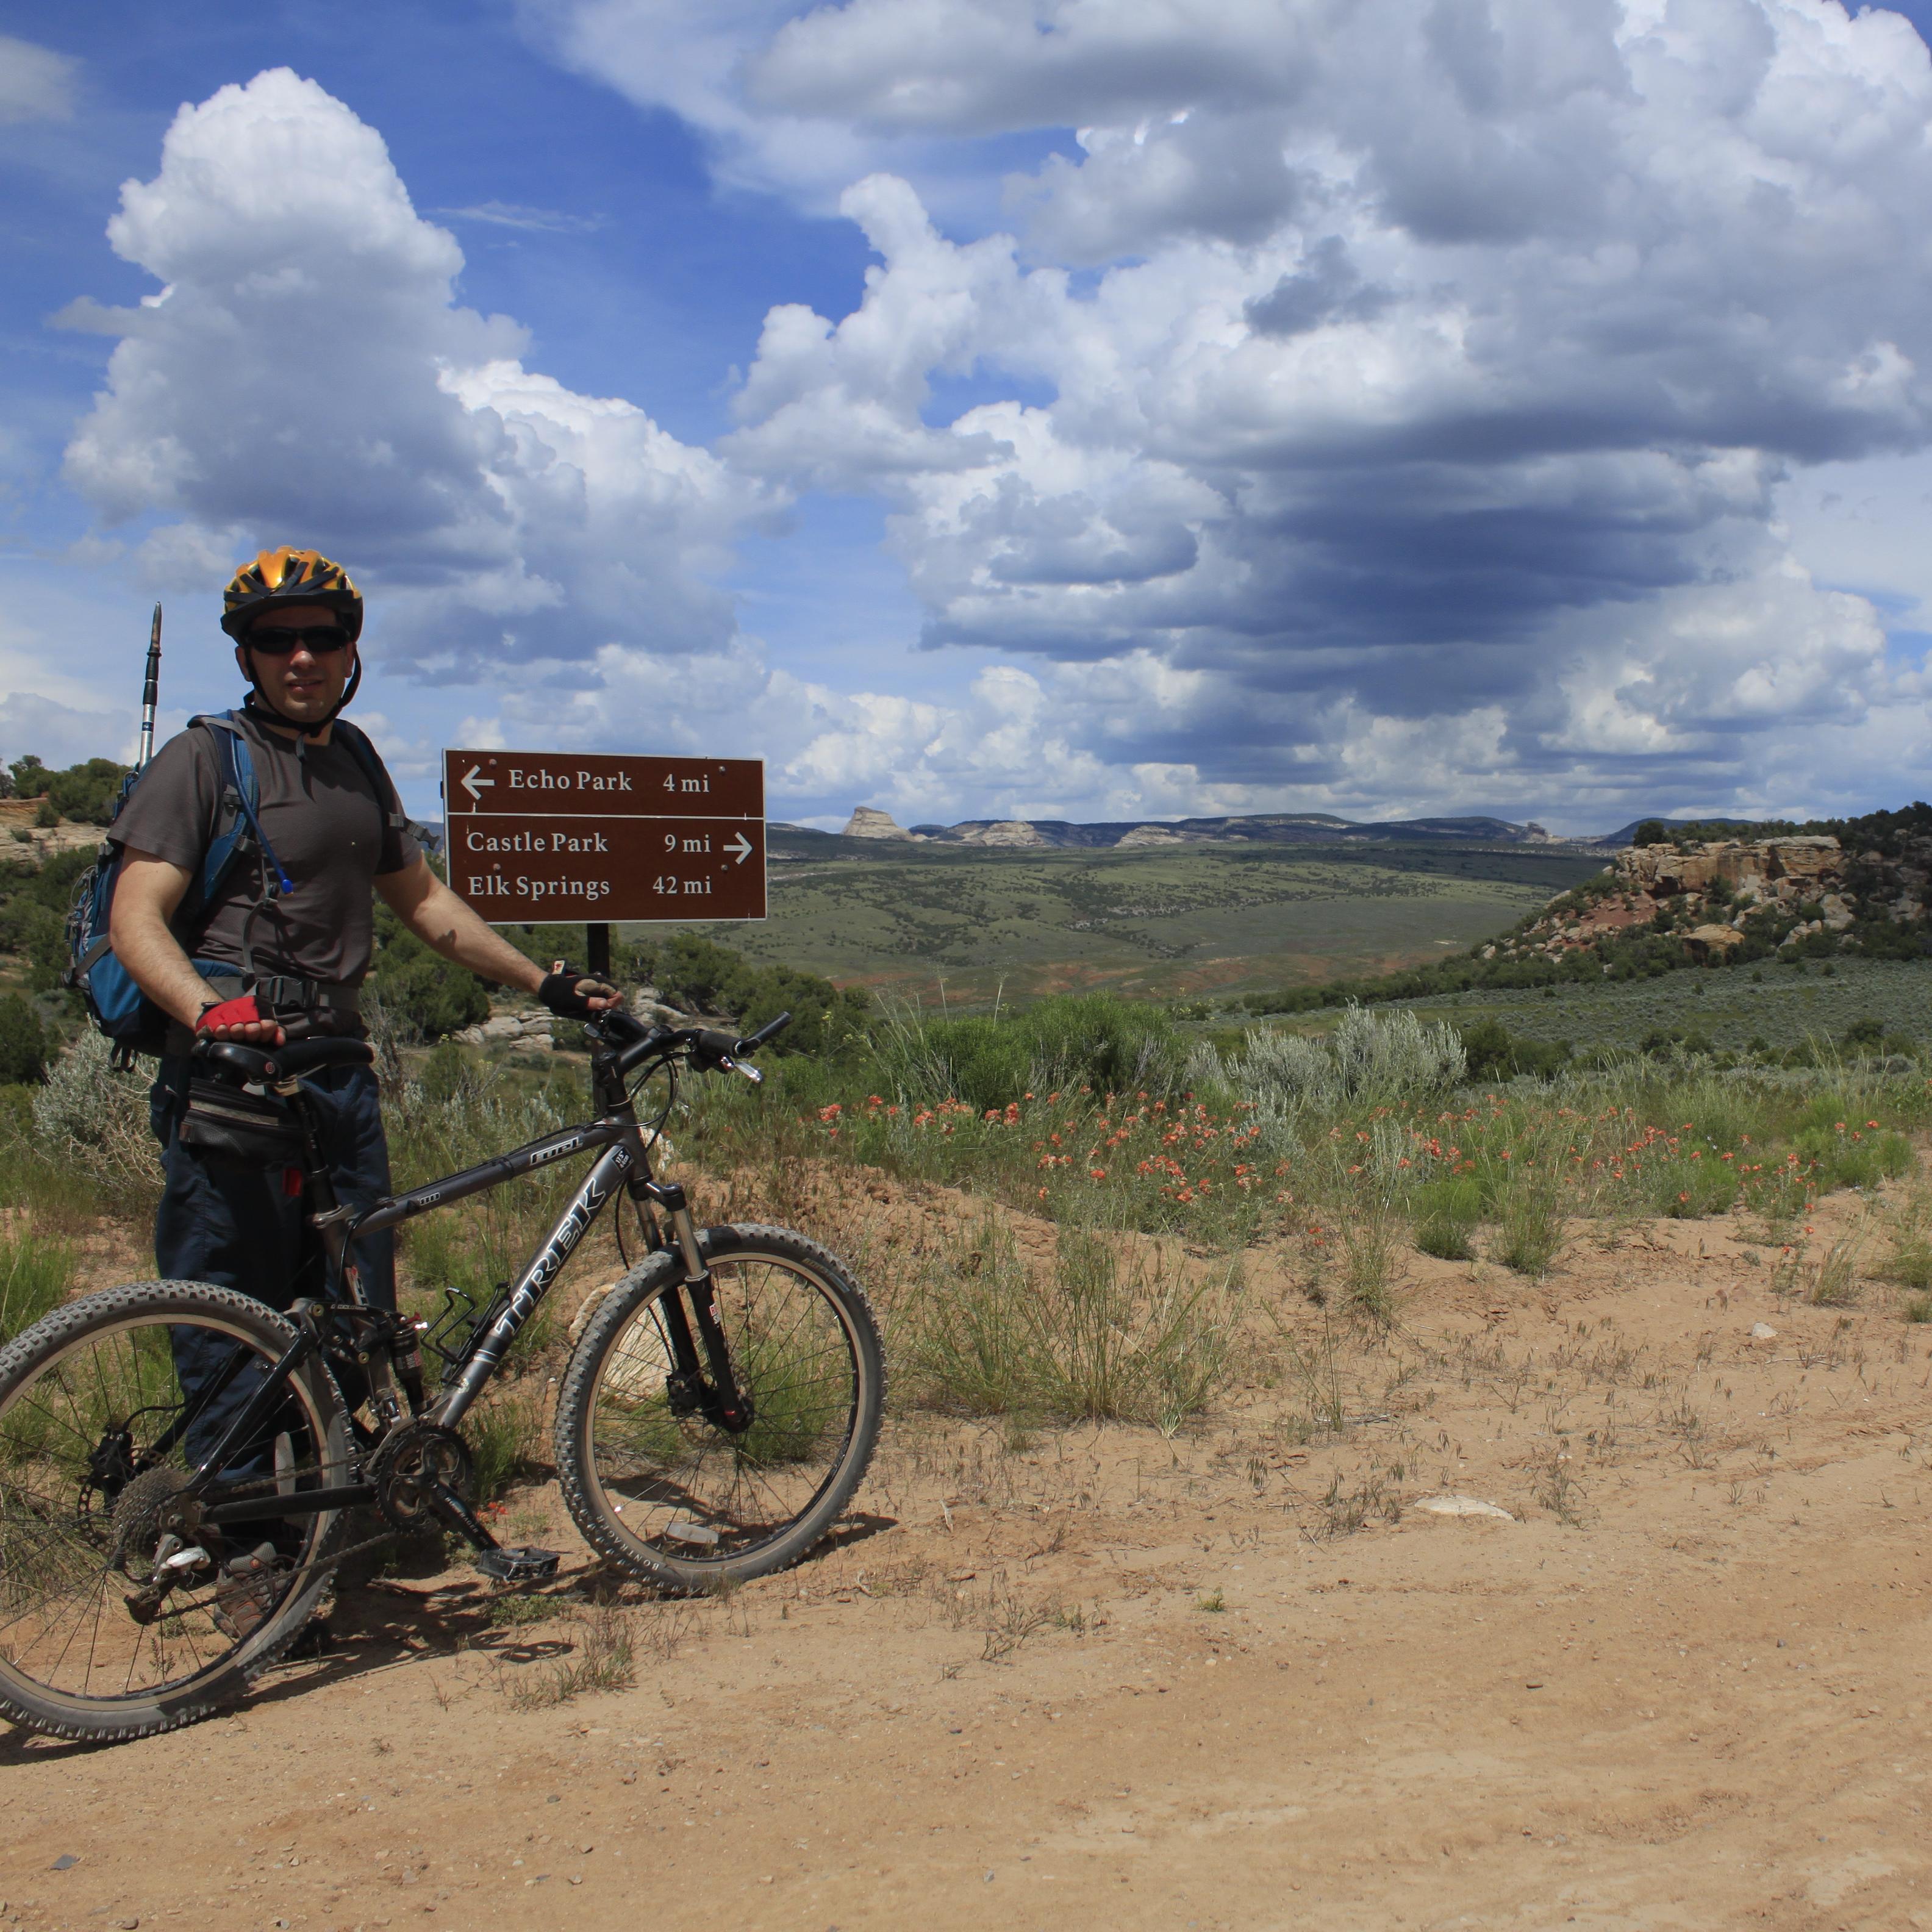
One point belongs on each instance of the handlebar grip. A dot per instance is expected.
(769, 1031)
(711, 1048)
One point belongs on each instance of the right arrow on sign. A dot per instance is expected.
(742, 847)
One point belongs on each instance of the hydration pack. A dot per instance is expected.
(115, 1004)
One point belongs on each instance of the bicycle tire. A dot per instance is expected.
(620, 1365)
(33, 1361)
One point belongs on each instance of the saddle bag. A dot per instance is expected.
(228, 1123)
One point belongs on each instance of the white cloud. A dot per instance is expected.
(36, 83)
(1385, 407)
(304, 375)
(534, 221)
(1440, 379)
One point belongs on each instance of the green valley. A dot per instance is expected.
(1208, 920)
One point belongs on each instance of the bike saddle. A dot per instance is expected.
(263, 1064)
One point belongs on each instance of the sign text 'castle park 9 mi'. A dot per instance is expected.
(544, 836)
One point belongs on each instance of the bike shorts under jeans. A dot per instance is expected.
(244, 1228)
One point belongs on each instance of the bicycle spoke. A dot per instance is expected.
(71, 1551)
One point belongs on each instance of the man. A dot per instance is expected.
(293, 962)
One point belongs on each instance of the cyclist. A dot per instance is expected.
(292, 962)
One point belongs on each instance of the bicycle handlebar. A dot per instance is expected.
(706, 1048)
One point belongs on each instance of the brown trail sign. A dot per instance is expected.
(554, 836)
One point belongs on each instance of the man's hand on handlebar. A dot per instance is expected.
(571, 995)
(238, 1020)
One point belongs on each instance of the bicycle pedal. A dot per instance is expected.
(526, 1564)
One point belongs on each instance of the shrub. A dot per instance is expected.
(826, 1020)
(85, 792)
(1446, 1214)
(1092, 1039)
(1529, 1213)
(1371, 1058)
(1102, 1337)
(423, 995)
(33, 913)
(23, 1043)
(1493, 1055)
(94, 1117)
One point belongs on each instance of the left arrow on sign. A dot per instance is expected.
(474, 785)
(742, 847)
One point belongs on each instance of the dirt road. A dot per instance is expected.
(1109, 1680)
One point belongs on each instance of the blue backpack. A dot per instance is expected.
(115, 1004)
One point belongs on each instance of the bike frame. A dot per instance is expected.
(695, 1335)
(622, 1160)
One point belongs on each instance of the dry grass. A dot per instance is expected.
(604, 1659)
(1111, 1330)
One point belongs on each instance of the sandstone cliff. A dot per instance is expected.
(1720, 898)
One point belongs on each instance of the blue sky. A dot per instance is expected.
(988, 407)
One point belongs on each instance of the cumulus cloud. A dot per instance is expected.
(1368, 403)
(304, 374)
(36, 83)
(1442, 366)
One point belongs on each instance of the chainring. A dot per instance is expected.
(408, 1464)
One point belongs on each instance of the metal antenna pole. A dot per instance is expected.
(150, 691)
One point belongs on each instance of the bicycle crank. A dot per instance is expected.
(415, 1466)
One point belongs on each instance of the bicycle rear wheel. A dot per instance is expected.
(674, 1499)
(107, 1407)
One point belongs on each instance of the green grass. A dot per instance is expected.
(1779, 1005)
(36, 1273)
(1100, 1335)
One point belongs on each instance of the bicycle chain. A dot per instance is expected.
(266, 1484)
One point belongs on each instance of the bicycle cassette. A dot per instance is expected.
(409, 1464)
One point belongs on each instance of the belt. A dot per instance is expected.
(281, 992)
(280, 996)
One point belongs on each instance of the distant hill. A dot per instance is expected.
(1271, 828)
(1625, 834)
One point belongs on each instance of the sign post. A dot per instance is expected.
(544, 836)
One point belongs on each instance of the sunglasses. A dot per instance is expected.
(282, 640)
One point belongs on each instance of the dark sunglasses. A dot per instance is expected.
(281, 641)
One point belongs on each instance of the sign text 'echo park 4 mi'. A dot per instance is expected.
(543, 836)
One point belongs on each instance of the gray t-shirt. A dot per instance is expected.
(329, 829)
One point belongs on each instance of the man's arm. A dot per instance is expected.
(147, 890)
(450, 925)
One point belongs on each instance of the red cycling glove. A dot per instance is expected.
(229, 1013)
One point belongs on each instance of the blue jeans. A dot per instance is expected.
(241, 1227)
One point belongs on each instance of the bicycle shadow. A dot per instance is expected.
(380, 1624)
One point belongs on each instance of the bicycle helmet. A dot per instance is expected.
(286, 575)
(289, 576)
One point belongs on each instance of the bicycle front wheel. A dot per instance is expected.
(674, 1498)
(123, 1611)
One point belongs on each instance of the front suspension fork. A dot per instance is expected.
(716, 1393)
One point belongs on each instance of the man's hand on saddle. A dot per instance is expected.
(238, 1020)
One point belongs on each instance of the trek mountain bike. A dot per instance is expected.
(178, 1462)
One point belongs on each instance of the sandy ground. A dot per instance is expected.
(1106, 1679)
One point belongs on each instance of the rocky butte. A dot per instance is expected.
(1722, 896)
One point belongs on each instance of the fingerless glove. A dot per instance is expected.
(568, 994)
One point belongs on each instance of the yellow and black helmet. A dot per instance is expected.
(286, 575)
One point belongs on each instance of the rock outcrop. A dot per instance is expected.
(867, 822)
(1717, 896)
(1007, 832)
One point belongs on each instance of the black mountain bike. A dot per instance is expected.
(178, 1461)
